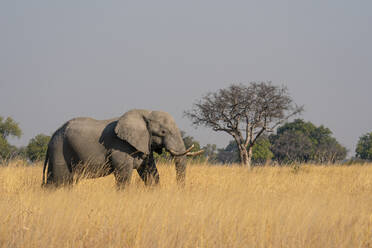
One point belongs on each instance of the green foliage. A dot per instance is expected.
(163, 157)
(260, 152)
(8, 128)
(291, 146)
(364, 147)
(37, 147)
(301, 141)
(328, 150)
(308, 129)
(4, 148)
(21, 152)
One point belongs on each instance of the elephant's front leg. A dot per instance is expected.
(148, 171)
(123, 166)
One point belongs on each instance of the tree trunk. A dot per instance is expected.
(245, 156)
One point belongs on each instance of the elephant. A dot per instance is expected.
(97, 148)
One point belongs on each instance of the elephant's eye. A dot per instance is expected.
(163, 132)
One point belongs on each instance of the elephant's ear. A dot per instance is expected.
(132, 128)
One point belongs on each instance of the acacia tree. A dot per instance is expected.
(245, 112)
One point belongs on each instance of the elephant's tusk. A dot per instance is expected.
(181, 154)
(194, 153)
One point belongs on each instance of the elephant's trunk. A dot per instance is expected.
(180, 162)
(176, 147)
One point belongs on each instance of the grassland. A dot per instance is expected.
(315, 206)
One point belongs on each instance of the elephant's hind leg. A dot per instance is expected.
(58, 170)
(60, 175)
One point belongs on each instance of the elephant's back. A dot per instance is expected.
(84, 127)
(83, 135)
(86, 123)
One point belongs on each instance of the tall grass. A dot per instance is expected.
(220, 206)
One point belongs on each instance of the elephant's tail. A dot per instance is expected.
(45, 166)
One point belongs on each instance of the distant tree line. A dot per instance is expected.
(293, 142)
(255, 115)
(34, 151)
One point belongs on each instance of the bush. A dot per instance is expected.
(37, 147)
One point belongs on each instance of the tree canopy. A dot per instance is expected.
(8, 127)
(261, 151)
(300, 141)
(364, 147)
(37, 147)
(245, 112)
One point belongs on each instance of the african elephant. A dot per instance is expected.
(98, 148)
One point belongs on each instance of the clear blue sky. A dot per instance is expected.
(62, 59)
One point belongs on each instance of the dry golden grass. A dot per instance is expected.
(316, 206)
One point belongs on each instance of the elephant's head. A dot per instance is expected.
(149, 131)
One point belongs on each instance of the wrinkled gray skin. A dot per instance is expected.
(100, 147)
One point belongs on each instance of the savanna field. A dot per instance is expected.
(220, 206)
